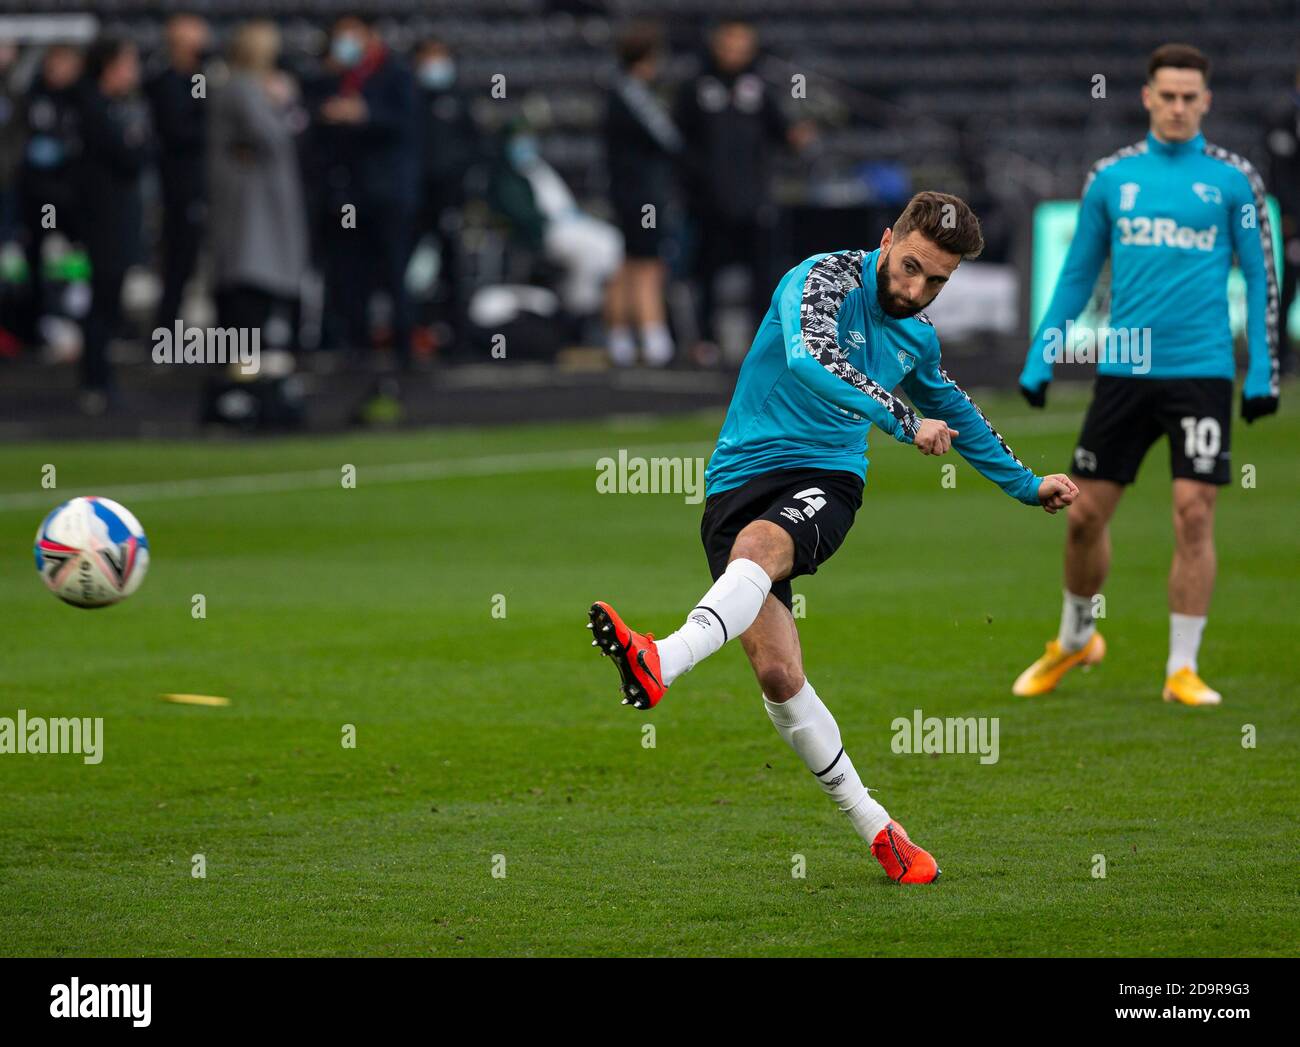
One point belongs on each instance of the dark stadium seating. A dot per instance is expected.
(1021, 70)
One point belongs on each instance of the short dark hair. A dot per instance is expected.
(432, 43)
(103, 52)
(1178, 56)
(944, 219)
(638, 42)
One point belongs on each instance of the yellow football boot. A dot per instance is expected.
(1046, 673)
(1186, 687)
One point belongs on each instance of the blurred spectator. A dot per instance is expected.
(257, 222)
(1283, 143)
(116, 147)
(369, 140)
(730, 124)
(531, 194)
(48, 174)
(449, 148)
(180, 122)
(641, 144)
(11, 141)
(11, 156)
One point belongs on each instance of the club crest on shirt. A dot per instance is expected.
(905, 360)
(1128, 194)
(1208, 193)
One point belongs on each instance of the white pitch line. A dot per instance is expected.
(403, 472)
(310, 479)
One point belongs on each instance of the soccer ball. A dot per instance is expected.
(91, 552)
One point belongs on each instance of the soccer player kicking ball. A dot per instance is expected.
(788, 473)
(1170, 212)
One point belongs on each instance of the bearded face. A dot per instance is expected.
(894, 304)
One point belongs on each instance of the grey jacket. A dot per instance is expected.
(257, 220)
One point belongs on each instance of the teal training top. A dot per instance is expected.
(1170, 216)
(821, 369)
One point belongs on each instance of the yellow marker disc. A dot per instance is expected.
(195, 699)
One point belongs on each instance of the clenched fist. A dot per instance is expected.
(1056, 492)
(934, 437)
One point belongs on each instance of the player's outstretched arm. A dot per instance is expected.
(974, 437)
(1083, 264)
(809, 309)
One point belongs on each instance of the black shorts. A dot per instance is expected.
(815, 507)
(639, 242)
(1128, 415)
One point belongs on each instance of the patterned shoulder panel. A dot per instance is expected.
(828, 283)
(1136, 149)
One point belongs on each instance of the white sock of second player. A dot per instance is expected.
(1077, 623)
(1184, 641)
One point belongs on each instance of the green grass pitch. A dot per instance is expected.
(480, 736)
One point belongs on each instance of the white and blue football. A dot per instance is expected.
(91, 552)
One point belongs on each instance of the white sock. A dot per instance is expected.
(621, 346)
(722, 614)
(1184, 641)
(1077, 624)
(657, 342)
(806, 723)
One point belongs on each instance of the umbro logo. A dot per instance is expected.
(702, 620)
(857, 338)
(792, 514)
(837, 780)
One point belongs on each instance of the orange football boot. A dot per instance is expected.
(636, 656)
(902, 860)
(1046, 673)
(1186, 687)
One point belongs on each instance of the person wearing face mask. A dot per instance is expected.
(180, 120)
(368, 148)
(449, 147)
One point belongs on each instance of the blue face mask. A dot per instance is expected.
(522, 150)
(346, 50)
(438, 73)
